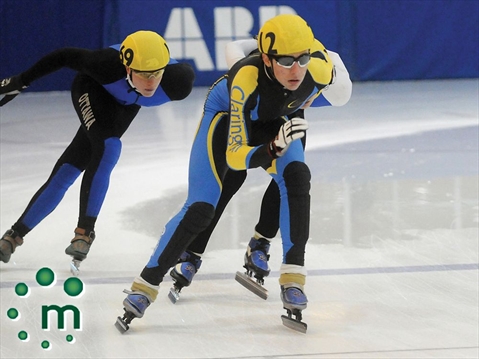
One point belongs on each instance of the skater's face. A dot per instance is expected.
(289, 75)
(146, 83)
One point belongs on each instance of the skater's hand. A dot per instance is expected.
(10, 87)
(293, 129)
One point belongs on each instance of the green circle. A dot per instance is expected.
(45, 344)
(45, 277)
(73, 286)
(12, 313)
(21, 289)
(69, 338)
(23, 335)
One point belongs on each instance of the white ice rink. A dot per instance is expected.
(392, 259)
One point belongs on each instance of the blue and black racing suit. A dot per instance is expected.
(106, 104)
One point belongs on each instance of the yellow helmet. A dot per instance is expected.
(285, 34)
(144, 51)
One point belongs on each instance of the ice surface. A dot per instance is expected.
(392, 259)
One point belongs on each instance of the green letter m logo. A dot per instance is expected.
(61, 316)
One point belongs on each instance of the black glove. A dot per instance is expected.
(10, 87)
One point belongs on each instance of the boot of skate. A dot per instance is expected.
(9, 242)
(140, 297)
(80, 244)
(185, 270)
(292, 280)
(256, 257)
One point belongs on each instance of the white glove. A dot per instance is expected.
(293, 129)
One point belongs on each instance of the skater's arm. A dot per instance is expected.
(236, 50)
(177, 81)
(103, 65)
(339, 91)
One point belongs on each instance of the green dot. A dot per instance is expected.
(70, 338)
(45, 277)
(12, 313)
(45, 344)
(23, 335)
(73, 286)
(21, 289)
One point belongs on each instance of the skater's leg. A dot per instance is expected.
(293, 178)
(204, 189)
(256, 256)
(232, 182)
(268, 223)
(179, 232)
(266, 228)
(104, 156)
(103, 122)
(46, 199)
(190, 260)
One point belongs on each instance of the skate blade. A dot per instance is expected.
(174, 295)
(75, 267)
(121, 325)
(251, 285)
(294, 324)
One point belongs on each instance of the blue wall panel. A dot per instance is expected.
(377, 39)
(422, 39)
(30, 29)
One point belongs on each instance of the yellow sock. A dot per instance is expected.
(149, 290)
(285, 278)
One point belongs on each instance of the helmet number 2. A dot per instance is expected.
(126, 56)
(272, 38)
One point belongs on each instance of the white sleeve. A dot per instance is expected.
(339, 92)
(236, 50)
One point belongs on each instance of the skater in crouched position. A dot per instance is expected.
(251, 118)
(111, 86)
(256, 257)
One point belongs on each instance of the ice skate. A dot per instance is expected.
(294, 301)
(256, 264)
(79, 248)
(8, 243)
(135, 305)
(183, 274)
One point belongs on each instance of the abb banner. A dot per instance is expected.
(378, 40)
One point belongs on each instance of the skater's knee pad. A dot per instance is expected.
(66, 175)
(112, 151)
(198, 216)
(297, 178)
